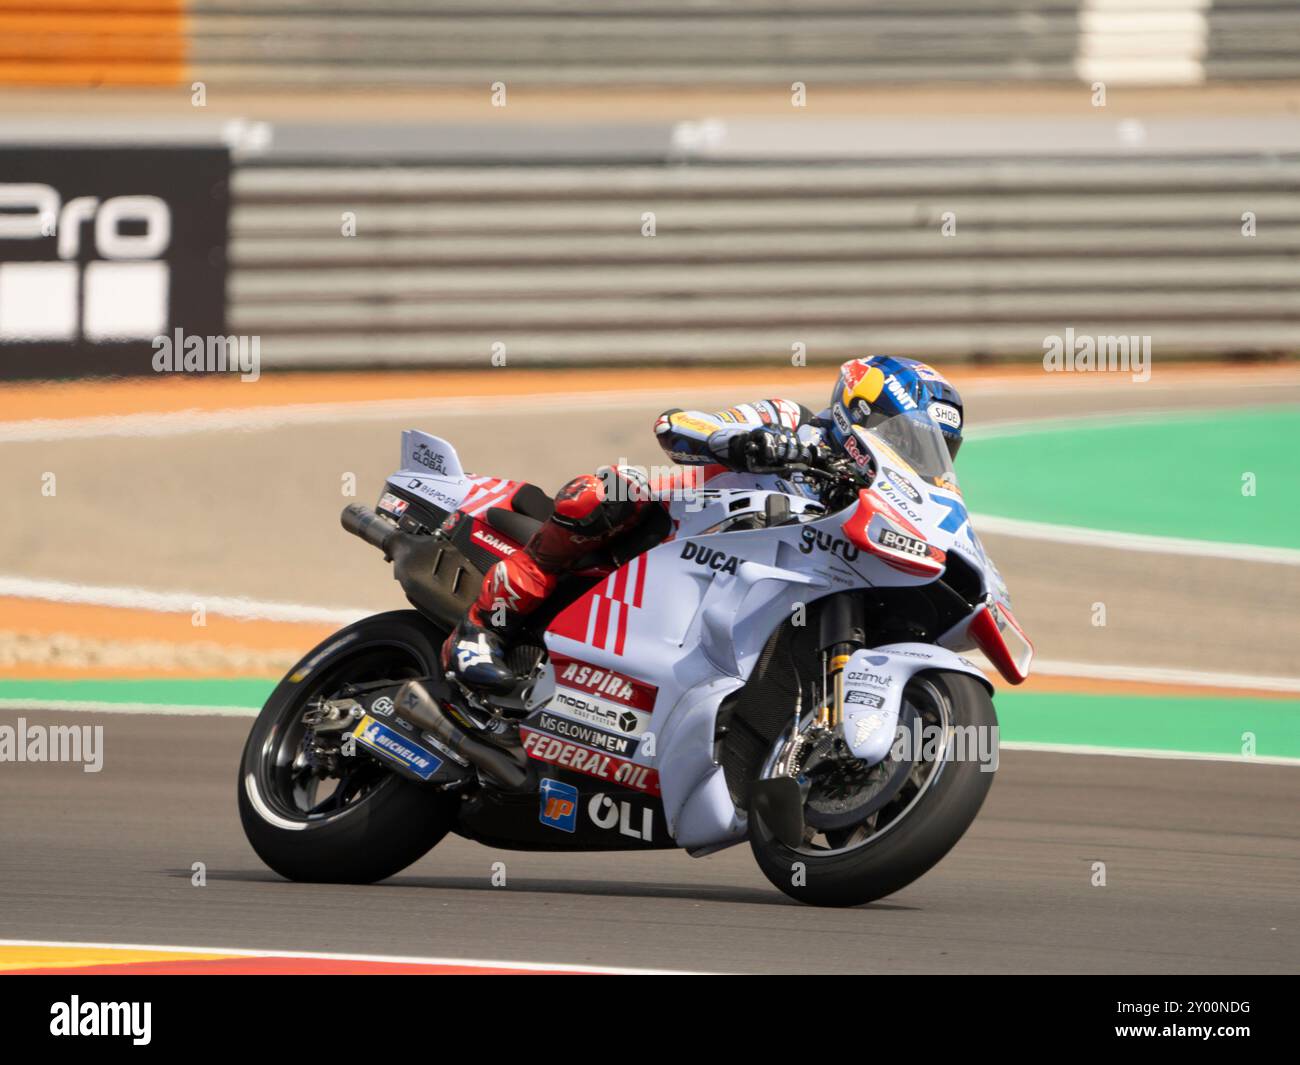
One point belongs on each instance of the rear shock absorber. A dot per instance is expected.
(843, 630)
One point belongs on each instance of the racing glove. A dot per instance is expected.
(769, 446)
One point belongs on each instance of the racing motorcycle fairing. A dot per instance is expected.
(639, 664)
(874, 680)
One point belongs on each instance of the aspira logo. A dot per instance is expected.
(122, 293)
(75, 1017)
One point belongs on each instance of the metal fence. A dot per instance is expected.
(710, 256)
(319, 43)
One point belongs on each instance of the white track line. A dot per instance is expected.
(93, 706)
(1157, 675)
(1147, 752)
(176, 602)
(244, 952)
(1125, 541)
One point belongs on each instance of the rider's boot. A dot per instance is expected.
(475, 652)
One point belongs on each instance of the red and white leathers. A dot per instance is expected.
(594, 510)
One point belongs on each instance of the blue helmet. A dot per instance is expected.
(880, 386)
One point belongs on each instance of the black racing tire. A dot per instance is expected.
(909, 849)
(387, 828)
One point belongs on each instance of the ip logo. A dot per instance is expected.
(559, 805)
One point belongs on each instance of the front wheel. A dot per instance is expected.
(871, 832)
(353, 825)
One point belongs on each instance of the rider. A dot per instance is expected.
(592, 511)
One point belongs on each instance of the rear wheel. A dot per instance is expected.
(357, 822)
(871, 831)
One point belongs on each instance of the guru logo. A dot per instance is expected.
(815, 539)
(709, 557)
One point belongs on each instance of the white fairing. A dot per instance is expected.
(431, 469)
(657, 645)
(874, 681)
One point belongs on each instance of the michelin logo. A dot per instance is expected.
(381, 738)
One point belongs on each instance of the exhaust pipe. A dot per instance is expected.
(374, 529)
(419, 707)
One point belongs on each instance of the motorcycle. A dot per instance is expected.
(772, 656)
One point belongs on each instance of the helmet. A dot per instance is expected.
(880, 386)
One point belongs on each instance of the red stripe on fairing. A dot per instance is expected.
(640, 580)
(623, 611)
(602, 622)
(280, 967)
(496, 499)
(620, 583)
(487, 485)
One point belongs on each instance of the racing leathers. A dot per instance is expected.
(592, 512)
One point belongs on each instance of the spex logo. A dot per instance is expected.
(710, 557)
(559, 807)
(817, 539)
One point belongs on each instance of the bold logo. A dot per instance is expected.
(591, 763)
(816, 539)
(864, 699)
(587, 735)
(559, 805)
(428, 458)
(897, 541)
(379, 737)
(874, 679)
(607, 813)
(710, 558)
(383, 706)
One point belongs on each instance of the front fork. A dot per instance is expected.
(843, 630)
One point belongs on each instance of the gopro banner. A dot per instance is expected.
(104, 249)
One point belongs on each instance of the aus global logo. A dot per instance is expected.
(559, 805)
(428, 458)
